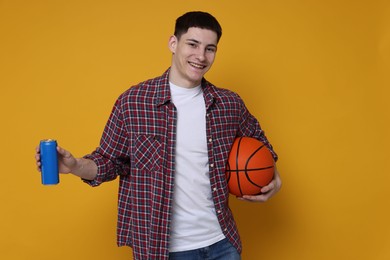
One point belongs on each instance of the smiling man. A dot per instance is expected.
(168, 140)
(193, 54)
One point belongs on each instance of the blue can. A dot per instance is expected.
(49, 162)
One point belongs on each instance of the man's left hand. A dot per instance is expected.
(267, 191)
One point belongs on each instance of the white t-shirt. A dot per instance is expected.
(194, 221)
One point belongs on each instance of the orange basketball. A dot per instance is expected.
(250, 167)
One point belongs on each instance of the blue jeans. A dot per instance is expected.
(221, 250)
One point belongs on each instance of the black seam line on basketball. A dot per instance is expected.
(250, 157)
(238, 176)
(238, 183)
(255, 184)
(249, 179)
(250, 170)
(246, 167)
(229, 171)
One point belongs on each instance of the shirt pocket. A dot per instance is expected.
(147, 152)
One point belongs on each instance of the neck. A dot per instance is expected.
(176, 79)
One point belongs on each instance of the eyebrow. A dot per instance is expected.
(198, 42)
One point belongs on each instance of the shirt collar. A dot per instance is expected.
(163, 96)
(208, 93)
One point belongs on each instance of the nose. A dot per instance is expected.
(201, 55)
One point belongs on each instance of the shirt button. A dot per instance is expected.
(215, 189)
(225, 229)
(219, 211)
(210, 140)
(212, 165)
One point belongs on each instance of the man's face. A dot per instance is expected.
(193, 55)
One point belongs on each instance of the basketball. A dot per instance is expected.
(250, 167)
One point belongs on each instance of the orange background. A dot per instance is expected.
(313, 72)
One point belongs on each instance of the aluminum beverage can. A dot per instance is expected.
(49, 162)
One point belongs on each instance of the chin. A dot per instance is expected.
(197, 76)
(195, 81)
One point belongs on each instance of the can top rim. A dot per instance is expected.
(48, 140)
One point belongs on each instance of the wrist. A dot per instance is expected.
(78, 166)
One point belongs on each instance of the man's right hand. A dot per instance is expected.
(67, 163)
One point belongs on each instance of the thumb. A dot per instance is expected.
(63, 152)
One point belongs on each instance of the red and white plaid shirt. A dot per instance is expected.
(138, 144)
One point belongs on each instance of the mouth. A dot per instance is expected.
(197, 65)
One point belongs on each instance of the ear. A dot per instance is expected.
(172, 43)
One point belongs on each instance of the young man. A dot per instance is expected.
(168, 140)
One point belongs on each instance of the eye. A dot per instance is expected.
(211, 49)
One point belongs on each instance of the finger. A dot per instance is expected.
(38, 163)
(258, 198)
(63, 152)
(38, 159)
(269, 187)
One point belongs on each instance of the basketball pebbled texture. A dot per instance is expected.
(250, 167)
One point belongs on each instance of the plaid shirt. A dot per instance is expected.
(138, 144)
